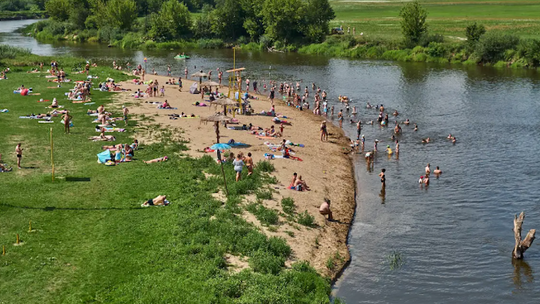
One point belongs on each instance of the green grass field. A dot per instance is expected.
(445, 17)
(93, 243)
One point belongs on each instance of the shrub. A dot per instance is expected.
(264, 215)
(210, 43)
(288, 206)
(436, 49)
(264, 195)
(427, 39)
(306, 219)
(265, 166)
(491, 47)
(265, 41)
(265, 262)
(474, 32)
(278, 246)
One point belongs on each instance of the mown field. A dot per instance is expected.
(93, 243)
(380, 19)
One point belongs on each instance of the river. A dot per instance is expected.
(455, 237)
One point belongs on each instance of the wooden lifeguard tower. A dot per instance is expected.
(235, 85)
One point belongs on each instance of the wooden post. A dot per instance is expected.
(3, 249)
(18, 239)
(30, 227)
(223, 172)
(521, 245)
(224, 179)
(52, 157)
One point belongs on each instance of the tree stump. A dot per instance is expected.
(521, 245)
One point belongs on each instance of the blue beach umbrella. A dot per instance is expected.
(220, 147)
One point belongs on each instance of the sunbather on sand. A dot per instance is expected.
(156, 160)
(300, 184)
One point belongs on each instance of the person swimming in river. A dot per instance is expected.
(437, 171)
(395, 113)
(426, 140)
(406, 122)
(415, 127)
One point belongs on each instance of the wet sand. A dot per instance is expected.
(326, 166)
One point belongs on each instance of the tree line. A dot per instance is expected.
(286, 21)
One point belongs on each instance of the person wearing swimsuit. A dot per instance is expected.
(324, 132)
(383, 178)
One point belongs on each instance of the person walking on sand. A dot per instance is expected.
(248, 160)
(238, 164)
(179, 84)
(18, 152)
(67, 121)
(382, 175)
(324, 209)
(324, 132)
(340, 118)
(125, 112)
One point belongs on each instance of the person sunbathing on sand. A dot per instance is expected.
(160, 200)
(156, 160)
(272, 132)
(166, 105)
(300, 184)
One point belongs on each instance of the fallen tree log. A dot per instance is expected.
(521, 245)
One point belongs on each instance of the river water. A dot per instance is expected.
(455, 237)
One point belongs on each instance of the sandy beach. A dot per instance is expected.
(326, 166)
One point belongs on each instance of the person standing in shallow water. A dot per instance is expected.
(358, 130)
(382, 175)
(340, 118)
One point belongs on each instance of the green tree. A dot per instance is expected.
(318, 15)
(78, 12)
(116, 13)
(173, 21)
(58, 9)
(228, 22)
(413, 22)
(253, 21)
(474, 31)
(282, 19)
(203, 23)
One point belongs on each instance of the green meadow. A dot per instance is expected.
(380, 19)
(92, 242)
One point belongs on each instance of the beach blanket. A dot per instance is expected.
(99, 138)
(89, 103)
(33, 117)
(105, 158)
(273, 156)
(200, 104)
(161, 108)
(265, 137)
(45, 121)
(112, 130)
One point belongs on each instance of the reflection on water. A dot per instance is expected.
(522, 272)
(457, 235)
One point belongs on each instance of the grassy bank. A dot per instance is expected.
(92, 242)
